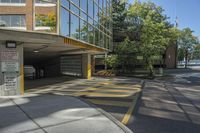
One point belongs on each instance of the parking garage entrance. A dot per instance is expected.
(39, 56)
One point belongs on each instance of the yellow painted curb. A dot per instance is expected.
(110, 103)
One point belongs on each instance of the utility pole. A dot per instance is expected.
(176, 49)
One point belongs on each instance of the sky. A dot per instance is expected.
(187, 11)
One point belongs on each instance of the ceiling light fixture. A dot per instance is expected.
(36, 51)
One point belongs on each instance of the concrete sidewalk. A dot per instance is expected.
(54, 114)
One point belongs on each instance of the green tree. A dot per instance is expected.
(152, 31)
(196, 53)
(148, 31)
(46, 20)
(187, 42)
(119, 13)
(181, 54)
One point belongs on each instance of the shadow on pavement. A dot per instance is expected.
(163, 108)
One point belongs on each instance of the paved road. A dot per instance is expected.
(170, 105)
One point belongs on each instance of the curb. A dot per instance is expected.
(109, 116)
(133, 109)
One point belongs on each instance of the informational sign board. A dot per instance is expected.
(140, 57)
(10, 81)
(10, 66)
(9, 55)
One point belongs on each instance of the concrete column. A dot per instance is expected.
(86, 66)
(11, 70)
(93, 64)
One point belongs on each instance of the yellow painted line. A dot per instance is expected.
(129, 113)
(112, 90)
(95, 94)
(104, 90)
(124, 86)
(22, 80)
(110, 103)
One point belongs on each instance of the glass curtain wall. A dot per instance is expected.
(87, 20)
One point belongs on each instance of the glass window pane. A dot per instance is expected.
(83, 30)
(12, 21)
(96, 18)
(104, 4)
(65, 3)
(15, 21)
(76, 2)
(45, 1)
(5, 1)
(74, 27)
(90, 20)
(64, 22)
(101, 4)
(23, 21)
(101, 39)
(90, 8)
(83, 16)
(5, 20)
(96, 37)
(83, 5)
(91, 34)
(74, 9)
(15, 1)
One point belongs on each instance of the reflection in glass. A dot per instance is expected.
(76, 2)
(12, 21)
(90, 8)
(96, 18)
(96, 33)
(74, 31)
(64, 22)
(83, 5)
(83, 31)
(12, 1)
(91, 34)
(65, 3)
(46, 20)
(74, 9)
(91, 23)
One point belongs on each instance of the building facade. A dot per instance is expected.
(85, 20)
(56, 37)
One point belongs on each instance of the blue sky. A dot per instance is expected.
(187, 11)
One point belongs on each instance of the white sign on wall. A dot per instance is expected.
(8, 55)
(10, 66)
(10, 81)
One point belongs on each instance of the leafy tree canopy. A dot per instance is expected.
(148, 30)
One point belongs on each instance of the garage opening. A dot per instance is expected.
(53, 70)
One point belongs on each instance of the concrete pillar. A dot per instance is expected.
(11, 70)
(93, 64)
(86, 66)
